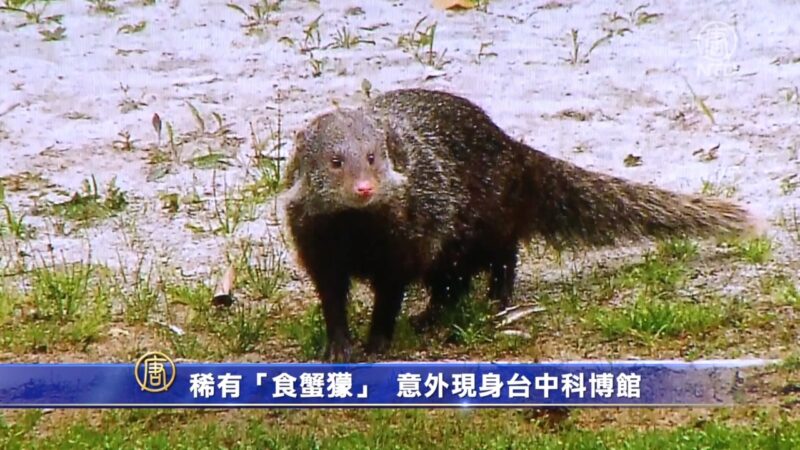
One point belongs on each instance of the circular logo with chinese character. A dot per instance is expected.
(154, 372)
(717, 41)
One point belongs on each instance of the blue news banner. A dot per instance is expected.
(162, 383)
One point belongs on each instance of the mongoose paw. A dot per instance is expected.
(420, 322)
(425, 319)
(377, 344)
(503, 304)
(340, 351)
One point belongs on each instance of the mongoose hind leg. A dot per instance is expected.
(388, 300)
(446, 289)
(503, 273)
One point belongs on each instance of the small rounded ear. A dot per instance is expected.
(394, 145)
(300, 140)
(293, 166)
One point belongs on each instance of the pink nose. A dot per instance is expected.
(364, 188)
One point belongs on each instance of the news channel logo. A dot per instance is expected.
(716, 43)
(154, 372)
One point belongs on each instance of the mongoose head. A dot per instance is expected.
(343, 161)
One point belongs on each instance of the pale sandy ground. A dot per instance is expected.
(633, 90)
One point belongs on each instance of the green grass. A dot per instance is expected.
(241, 328)
(654, 274)
(67, 304)
(656, 317)
(102, 6)
(133, 27)
(9, 297)
(187, 346)
(374, 429)
(661, 270)
(190, 306)
(32, 10)
(89, 205)
(58, 293)
(56, 34)
(469, 322)
(258, 16)
(344, 38)
(718, 189)
(405, 335)
(649, 302)
(260, 269)
(577, 57)
(792, 362)
(782, 288)
(308, 332)
(230, 211)
(213, 332)
(677, 249)
(754, 251)
(195, 297)
(11, 223)
(266, 180)
(790, 295)
(210, 160)
(420, 43)
(141, 295)
(656, 307)
(652, 306)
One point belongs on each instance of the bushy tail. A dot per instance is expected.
(571, 205)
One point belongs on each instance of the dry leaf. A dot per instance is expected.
(632, 161)
(516, 333)
(707, 155)
(223, 293)
(454, 4)
(157, 124)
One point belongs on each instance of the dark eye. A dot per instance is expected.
(371, 158)
(336, 162)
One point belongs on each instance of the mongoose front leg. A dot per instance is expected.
(333, 294)
(503, 274)
(388, 300)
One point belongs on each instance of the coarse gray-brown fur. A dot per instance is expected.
(421, 185)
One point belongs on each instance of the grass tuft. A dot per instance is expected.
(659, 317)
(308, 332)
(88, 205)
(470, 321)
(67, 304)
(241, 328)
(754, 251)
